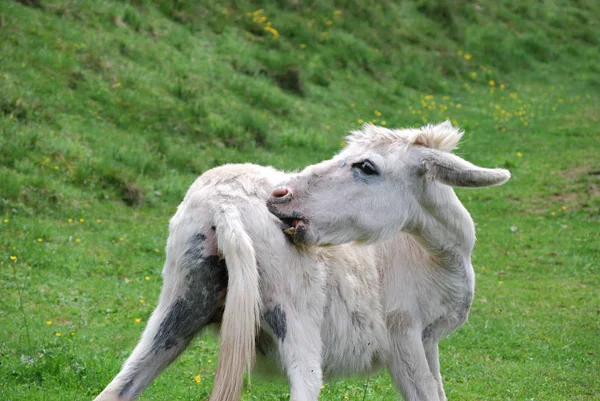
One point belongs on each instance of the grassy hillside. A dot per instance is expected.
(109, 110)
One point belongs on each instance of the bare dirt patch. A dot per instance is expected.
(580, 191)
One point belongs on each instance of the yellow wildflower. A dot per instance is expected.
(273, 32)
(197, 379)
(519, 154)
(330, 22)
(77, 240)
(5, 220)
(467, 56)
(69, 220)
(360, 121)
(492, 82)
(81, 220)
(563, 208)
(337, 12)
(58, 334)
(473, 75)
(49, 322)
(147, 278)
(138, 320)
(377, 113)
(302, 46)
(40, 240)
(383, 122)
(13, 258)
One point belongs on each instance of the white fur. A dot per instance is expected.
(331, 298)
(225, 199)
(349, 308)
(425, 236)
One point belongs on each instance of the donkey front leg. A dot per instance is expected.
(190, 299)
(410, 370)
(299, 342)
(432, 354)
(407, 360)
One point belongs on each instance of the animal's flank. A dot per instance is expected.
(205, 279)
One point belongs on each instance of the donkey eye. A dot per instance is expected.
(367, 167)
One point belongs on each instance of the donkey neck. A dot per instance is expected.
(445, 229)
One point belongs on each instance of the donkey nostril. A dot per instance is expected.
(279, 192)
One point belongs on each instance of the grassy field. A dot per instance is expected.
(109, 110)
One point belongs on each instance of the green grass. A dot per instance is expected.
(109, 110)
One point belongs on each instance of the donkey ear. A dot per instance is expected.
(456, 172)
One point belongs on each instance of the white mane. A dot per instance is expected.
(442, 136)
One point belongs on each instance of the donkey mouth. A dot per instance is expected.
(293, 225)
(290, 225)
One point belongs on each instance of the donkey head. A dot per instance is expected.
(382, 182)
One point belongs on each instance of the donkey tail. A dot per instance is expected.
(241, 317)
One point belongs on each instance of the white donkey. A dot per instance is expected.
(309, 311)
(319, 312)
(395, 186)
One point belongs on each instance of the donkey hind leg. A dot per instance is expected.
(432, 354)
(187, 304)
(299, 342)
